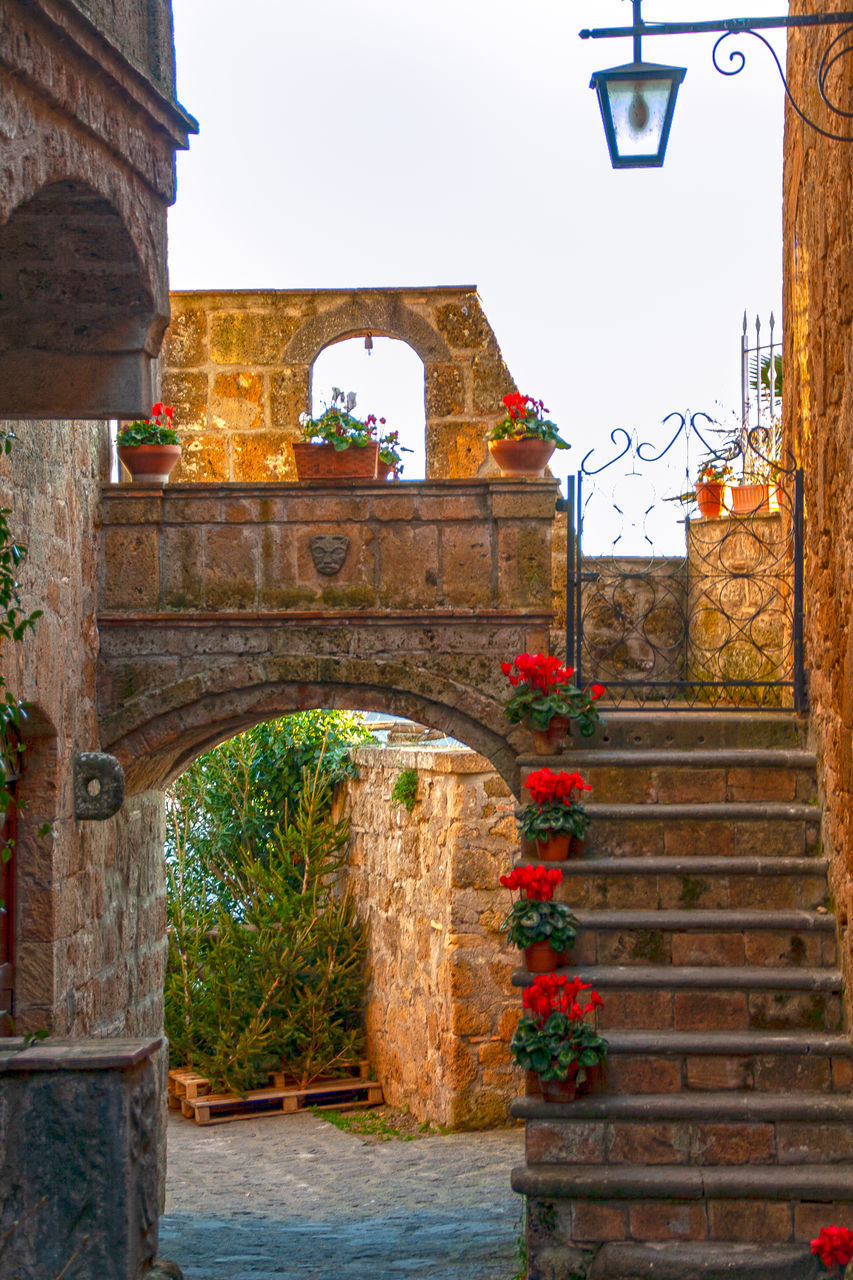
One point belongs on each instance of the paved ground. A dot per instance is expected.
(297, 1199)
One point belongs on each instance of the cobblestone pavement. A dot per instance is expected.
(295, 1198)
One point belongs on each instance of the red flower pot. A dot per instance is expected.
(555, 848)
(150, 464)
(551, 741)
(525, 457)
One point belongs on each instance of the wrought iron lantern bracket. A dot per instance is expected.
(840, 47)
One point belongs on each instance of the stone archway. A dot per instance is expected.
(157, 736)
(237, 368)
(78, 316)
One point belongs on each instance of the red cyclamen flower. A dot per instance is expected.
(834, 1246)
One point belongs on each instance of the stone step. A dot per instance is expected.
(763, 1061)
(689, 731)
(702, 1130)
(704, 830)
(678, 777)
(676, 1260)
(778, 1203)
(713, 998)
(686, 883)
(730, 938)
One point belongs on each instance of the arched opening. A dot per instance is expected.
(27, 960)
(387, 376)
(438, 1016)
(78, 324)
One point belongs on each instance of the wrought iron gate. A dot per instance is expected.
(717, 623)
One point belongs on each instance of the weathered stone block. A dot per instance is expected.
(184, 344)
(236, 402)
(187, 394)
(444, 391)
(261, 455)
(492, 381)
(250, 337)
(131, 575)
(230, 558)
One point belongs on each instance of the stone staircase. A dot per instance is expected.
(724, 1140)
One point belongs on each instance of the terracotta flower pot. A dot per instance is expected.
(526, 457)
(325, 462)
(561, 1090)
(748, 498)
(594, 1081)
(551, 741)
(150, 464)
(710, 496)
(540, 957)
(577, 846)
(555, 848)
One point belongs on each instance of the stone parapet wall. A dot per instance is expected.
(441, 1009)
(237, 367)
(818, 422)
(423, 545)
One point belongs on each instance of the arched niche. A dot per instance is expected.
(78, 322)
(387, 376)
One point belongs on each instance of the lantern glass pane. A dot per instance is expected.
(638, 109)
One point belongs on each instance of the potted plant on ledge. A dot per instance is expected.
(546, 699)
(337, 445)
(711, 484)
(554, 819)
(554, 1038)
(150, 450)
(543, 929)
(523, 441)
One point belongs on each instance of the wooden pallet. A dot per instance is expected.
(186, 1084)
(218, 1108)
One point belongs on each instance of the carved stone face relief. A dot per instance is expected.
(329, 551)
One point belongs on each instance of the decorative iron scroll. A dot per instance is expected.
(715, 622)
(841, 46)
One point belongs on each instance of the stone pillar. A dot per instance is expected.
(81, 1133)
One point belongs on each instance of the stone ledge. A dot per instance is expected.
(417, 755)
(729, 1043)
(676, 1261)
(724, 920)
(673, 865)
(702, 978)
(640, 1182)
(722, 1106)
(75, 1055)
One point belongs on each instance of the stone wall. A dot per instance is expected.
(634, 613)
(441, 1009)
(88, 128)
(90, 896)
(237, 369)
(818, 420)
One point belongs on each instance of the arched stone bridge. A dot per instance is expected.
(222, 605)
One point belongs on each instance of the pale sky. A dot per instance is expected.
(374, 142)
